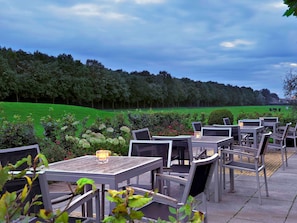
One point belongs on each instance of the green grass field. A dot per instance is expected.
(37, 111)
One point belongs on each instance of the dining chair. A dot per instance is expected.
(216, 131)
(71, 204)
(250, 122)
(279, 143)
(196, 126)
(152, 148)
(226, 121)
(11, 156)
(292, 134)
(199, 152)
(246, 154)
(196, 183)
(141, 134)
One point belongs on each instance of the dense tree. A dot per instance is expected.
(292, 7)
(38, 77)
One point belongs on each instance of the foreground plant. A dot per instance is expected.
(127, 204)
(15, 205)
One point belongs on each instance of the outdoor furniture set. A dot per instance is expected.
(168, 158)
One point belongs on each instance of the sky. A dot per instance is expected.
(238, 42)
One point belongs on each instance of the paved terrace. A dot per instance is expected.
(242, 205)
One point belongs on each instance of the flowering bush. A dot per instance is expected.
(107, 138)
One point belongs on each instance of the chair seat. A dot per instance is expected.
(180, 168)
(156, 210)
(242, 166)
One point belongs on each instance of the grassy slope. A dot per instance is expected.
(40, 110)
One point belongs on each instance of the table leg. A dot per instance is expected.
(102, 201)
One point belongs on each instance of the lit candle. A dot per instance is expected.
(197, 134)
(102, 155)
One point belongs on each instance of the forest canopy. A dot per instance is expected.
(37, 77)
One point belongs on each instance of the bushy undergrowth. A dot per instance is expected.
(66, 137)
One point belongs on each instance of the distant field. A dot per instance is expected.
(37, 111)
(9, 109)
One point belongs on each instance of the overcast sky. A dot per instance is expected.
(238, 42)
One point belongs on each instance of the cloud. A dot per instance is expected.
(236, 43)
(244, 43)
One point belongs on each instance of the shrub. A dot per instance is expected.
(216, 116)
(17, 133)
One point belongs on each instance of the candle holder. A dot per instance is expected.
(197, 134)
(102, 156)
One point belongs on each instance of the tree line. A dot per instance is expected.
(38, 77)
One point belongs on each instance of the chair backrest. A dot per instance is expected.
(197, 126)
(250, 122)
(226, 121)
(285, 133)
(200, 176)
(12, 155)
(235, 130)
(263, 144)
(141, 134)
(152, 148)
(216, 131)
(269, 119)
(181, 146)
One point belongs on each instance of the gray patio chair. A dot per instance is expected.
(152, 148)
(11, 156)
(141, 134)
(216, 131)
(197, 126)
(279, 143)
(292, 134)
(227, 121)
(250, 153)
(194, 184)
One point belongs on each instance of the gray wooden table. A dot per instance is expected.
(254, 130)
(115, 171)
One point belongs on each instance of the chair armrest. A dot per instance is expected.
(245, 148)
(172, 178)
(158, 197)
(276, 136)
(82, 199)
(236, 152)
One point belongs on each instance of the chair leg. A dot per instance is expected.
(205, 207)
(265, 181)
(286, 156)
(283, 157)
(259, 188)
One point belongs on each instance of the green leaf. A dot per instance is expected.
(172, 219)
(83, 182)
(139, 202)
(172, 210)
(63, 218)
(43, 159)
(26, 207)
(136, 215)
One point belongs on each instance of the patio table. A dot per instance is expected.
(254, 130)
(115, 171)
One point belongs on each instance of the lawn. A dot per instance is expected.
(37, 111)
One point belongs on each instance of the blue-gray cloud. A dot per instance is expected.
(243, 43)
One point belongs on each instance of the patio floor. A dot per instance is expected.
(242, 205)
